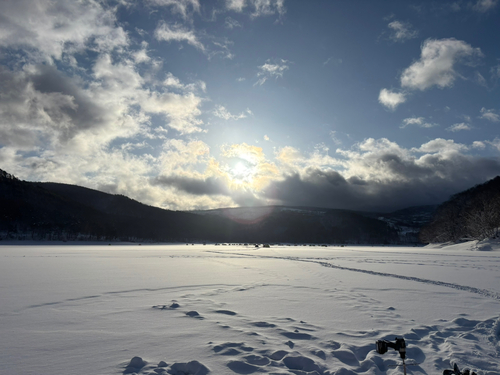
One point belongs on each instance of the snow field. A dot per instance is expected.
(199, 310)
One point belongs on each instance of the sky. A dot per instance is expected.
(194, 104)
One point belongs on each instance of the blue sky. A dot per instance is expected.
(192, 104)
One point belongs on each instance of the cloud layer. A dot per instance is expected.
(88, 99)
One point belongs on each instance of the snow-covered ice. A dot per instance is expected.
(177, 309)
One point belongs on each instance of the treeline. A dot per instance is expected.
(52, 211)
(473, 214)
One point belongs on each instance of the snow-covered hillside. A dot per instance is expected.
(181, 309)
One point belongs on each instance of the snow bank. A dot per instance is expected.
(491, 244)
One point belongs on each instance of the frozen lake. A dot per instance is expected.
(239, 310)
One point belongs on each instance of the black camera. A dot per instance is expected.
(456, 371)
(398, 345)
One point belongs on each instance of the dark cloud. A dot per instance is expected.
(243, 197)
(433, 182)
(42, 102)
(86, 113)
(209, 186)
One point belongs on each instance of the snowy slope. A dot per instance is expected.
(242, 310)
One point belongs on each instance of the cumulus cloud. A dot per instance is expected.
(401, 32)
(236, 178)
(418, 121)
(90, 123)
(436, 66)
(458, 127)
(141, 55)
(122, 85)
(40, 104)
(381, 175)
(59, 26)
(391, 99)
(490, 115)
(479, 145)
(88, 105)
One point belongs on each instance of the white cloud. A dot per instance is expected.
(292, 160)
(42, 107)
(401, 31)
(182, 111)
(236, 5)
(59, 26)
(177, 33)
(266, 138)
(479, 145)
(436, 66)
(333, 61)
(458, 127)
(480, 80)
(221, 112)
(490, 115)
(335, 139)
(495, 72)
(441, 146)
(379, 174)
(419, 121)
(231, 23)
(391, 99)
(173, 82)
(222, 49)
(267, 7)
(484, 6)
(270, 70)
(141, 56)
(183, 7)
(259, 7)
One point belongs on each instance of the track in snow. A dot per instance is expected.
(483, 292)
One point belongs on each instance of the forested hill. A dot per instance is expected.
(60, 211)
(473, 214)
(53, 211)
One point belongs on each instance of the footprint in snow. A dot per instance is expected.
(225, 312)
(194, 314)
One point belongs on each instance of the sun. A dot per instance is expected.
(242, 173)
(246, 168)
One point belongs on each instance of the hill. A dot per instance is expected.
(473, 214)
(54, 211)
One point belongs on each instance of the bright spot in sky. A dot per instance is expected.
(240, 170)
(242, 173)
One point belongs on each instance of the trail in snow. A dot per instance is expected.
(483, 292)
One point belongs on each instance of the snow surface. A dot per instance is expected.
(177, 309)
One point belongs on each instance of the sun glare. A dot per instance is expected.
(246, 167)
(241, 173)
